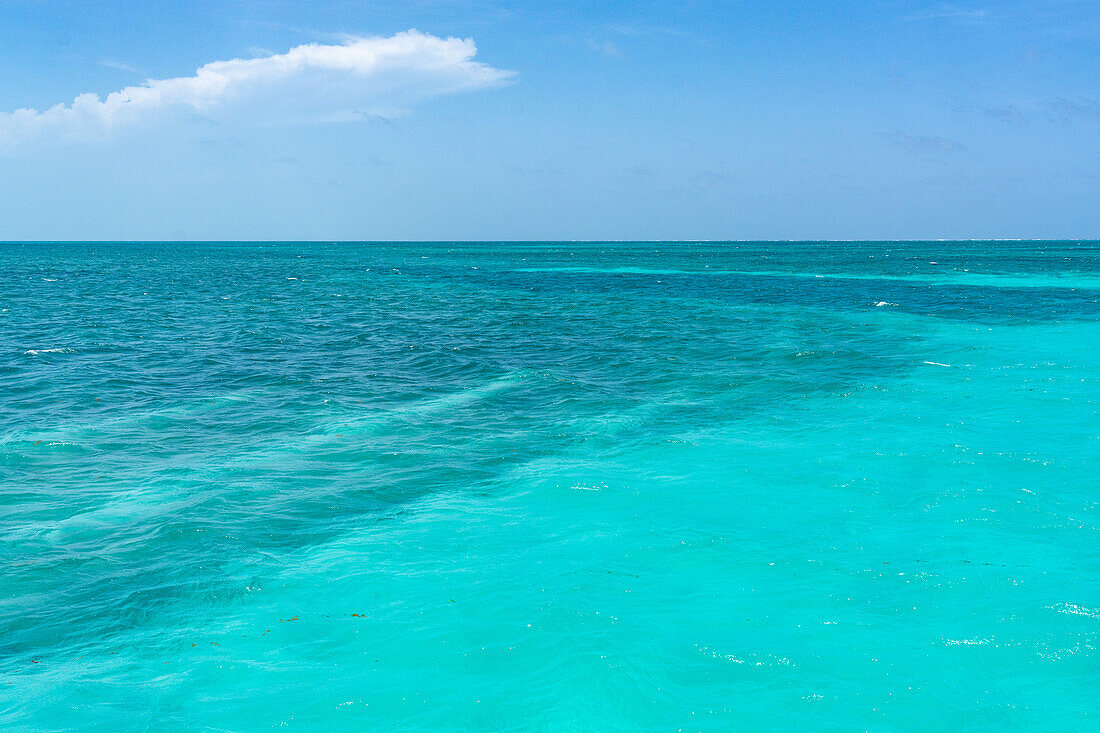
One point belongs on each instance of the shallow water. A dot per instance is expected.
(558, 486)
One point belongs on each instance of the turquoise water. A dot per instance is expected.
(550, 487)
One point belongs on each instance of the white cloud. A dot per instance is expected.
(357, 79)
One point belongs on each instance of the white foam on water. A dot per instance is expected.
(378, 421)
(125, 509)
(36, 352)
(131, 419)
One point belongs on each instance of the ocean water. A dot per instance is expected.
(550, 487)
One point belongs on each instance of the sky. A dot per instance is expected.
(557, 120)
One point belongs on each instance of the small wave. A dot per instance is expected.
(36, 352)
(883, 303)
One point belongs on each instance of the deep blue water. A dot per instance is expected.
(550, 487)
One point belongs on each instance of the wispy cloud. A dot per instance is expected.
(638, 30)
(635, 172)
(544, 168)
(607, 48)
(1009, 113)
(924, 143)
(950, 12)
(119, 66)
(711, 179)
(359, 78)
(1087, 109)
(1061, 110)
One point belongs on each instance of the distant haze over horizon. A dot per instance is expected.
(511, 121)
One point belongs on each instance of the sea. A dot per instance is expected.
(552, 486)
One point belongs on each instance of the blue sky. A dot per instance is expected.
(557, 120)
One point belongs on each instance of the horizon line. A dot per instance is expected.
(545, 241)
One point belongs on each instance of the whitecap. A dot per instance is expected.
(36, 352)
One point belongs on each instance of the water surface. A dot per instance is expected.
(555, 486)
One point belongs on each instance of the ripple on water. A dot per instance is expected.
(556, 486)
